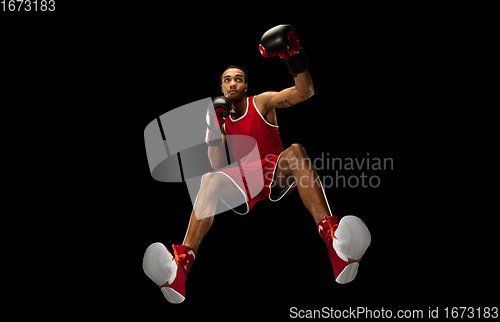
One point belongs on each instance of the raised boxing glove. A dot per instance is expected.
(284, 42)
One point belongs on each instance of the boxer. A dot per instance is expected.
(283, 170)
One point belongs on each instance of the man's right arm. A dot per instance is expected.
(215, 136)
(216, 154)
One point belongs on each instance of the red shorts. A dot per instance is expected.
(255, 180)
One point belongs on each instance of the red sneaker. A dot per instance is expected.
(169, 275)
(346, 242)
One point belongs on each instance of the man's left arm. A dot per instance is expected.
(283, 41)
(303, 89)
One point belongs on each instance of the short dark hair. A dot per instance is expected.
(234, 66)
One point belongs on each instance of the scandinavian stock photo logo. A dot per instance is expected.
(343, 172)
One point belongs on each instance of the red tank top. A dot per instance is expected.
(253, 124)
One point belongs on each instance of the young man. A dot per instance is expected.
(280, 170)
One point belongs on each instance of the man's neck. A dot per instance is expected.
(240, 107)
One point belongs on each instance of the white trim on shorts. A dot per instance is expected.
(244, 195)
(271, 189)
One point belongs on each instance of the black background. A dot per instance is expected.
(381, 78)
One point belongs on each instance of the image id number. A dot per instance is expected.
(28, 5)
(471, 312)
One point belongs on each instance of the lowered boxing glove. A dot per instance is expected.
(216, 112)
(283, 41)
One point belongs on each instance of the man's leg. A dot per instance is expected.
(213, 187)
(294, 164)
(169, 271)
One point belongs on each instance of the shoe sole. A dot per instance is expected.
(348, 274)
(361, 234)
(172, 296)
(159, 266)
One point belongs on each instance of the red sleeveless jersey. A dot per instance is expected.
(253, 124)
(254, 172)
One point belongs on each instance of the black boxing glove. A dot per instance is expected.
(216, 112)
(283, 41)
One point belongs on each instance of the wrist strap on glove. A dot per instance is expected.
(298, 63)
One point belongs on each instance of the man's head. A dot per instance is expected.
(234, 83)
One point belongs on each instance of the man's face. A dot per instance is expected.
(233, 84)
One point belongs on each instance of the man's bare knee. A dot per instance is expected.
(210, 187)
(211, 180)
(298, 151)
(207, 177)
